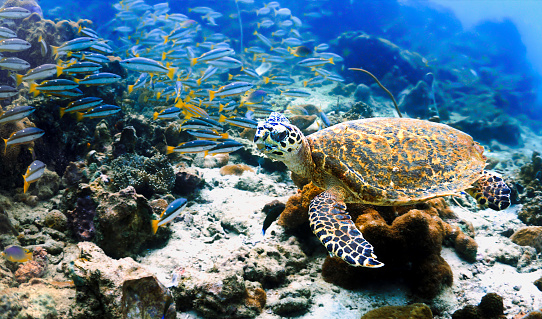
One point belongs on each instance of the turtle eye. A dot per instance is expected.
(279, 136)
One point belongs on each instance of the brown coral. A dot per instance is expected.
(490, 307)
(529, 236)
(235, 169)
(414, 311)
(297, 207)
(407, 239)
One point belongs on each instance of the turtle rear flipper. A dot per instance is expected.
(491, 191)
(331, 223)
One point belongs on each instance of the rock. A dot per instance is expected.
(56, 220)
(48, 185)
(126, 143)
(187, 181)
(123, 222)
(81, 219)
(378, 56)
(5, 224)
(491, 306)
(538, 283)
(416, 102)
(122, 286)
(343, 89)
(362, 93)
(502, 129)
(219, 295)
(529, 236)
(34, 268)
(414, 311)
(291, 306)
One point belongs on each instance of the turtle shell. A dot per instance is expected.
(393, 161)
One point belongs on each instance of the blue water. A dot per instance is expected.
(503, 35)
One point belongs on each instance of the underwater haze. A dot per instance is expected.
(270, 159)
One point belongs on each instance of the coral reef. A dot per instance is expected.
(379, 56)
(414, 311)
(407, 239)
(529, 236)
(235, 169)
(415, 101)
(530, 181)
(34, 268)
(343, 89)
(56, 220)
(499, 128)
(123, 222)
(187, 182)
(122, 287)
(81, 219)
(490, 307)
(148, 176)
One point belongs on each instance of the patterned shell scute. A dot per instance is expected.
(397, 160)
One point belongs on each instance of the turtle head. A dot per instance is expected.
(279, 139)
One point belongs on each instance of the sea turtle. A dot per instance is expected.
(378, 161)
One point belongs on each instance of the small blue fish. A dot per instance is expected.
(17, 254)
(172, 211)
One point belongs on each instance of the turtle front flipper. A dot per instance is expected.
(336, 230)
(491, 191)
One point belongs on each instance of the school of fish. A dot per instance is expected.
(207, 81)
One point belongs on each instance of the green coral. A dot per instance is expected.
(147, 175)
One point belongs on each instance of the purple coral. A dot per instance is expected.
(81, 219)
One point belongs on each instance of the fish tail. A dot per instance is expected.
(59, 70)
(26, 185)
(155, 115)
(166, 37)
(164, 55)
(171, 73)
(212, 95)
(76, 80)
(222, 118)
(158, 95)
(331, 60)
(154, 225)
(258, 24)
(265, 79)
(19, 78)
(62, 111)
(130, 88)
(193, 61)
(55, 50)
(224, 135)
(230, 77)
(304, 83)
(255, 32)
(6, 145)
(170, 149)
(78, 116)
(33, 87)
(220, 107)
(198, 81)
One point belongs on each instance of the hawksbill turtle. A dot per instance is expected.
(378, 161)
